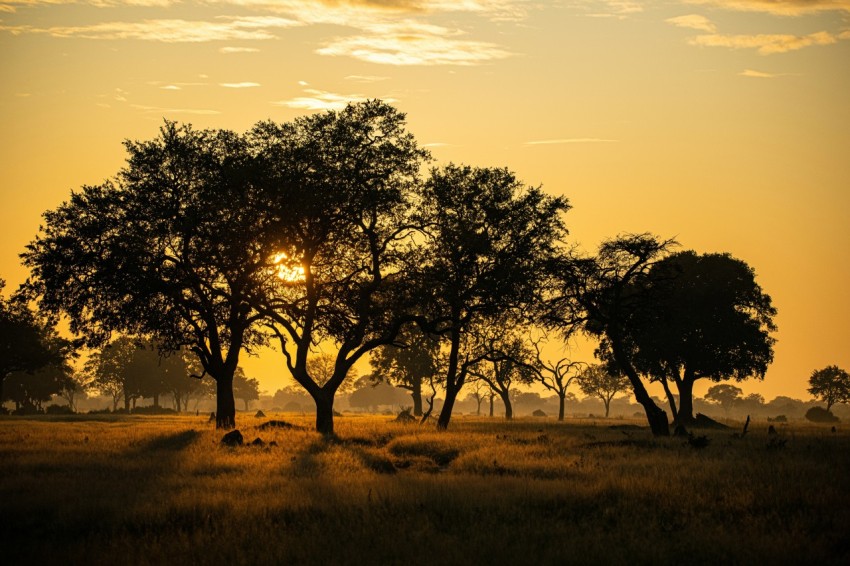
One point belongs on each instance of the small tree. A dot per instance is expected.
(599, 381)
(725, 395)
(506, 363)
(831, 385)
(408, 363)
(245, 388)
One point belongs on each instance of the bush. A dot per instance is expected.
(538, 413)
(778, 419)
(821, 415)
(58, 410)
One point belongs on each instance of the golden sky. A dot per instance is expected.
(722, 123)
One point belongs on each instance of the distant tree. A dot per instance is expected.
(183, 373)
(831, 385)
(506, 363)
(245, 388)
(105, 369)
(29, 391)
(555, 376)
(74, 388)
(605, 297)
(168, 250)
(28, 342)
(408, 363)
(708, 319)
(480, 392)
(598, 381)
(338, 190)
(488, 241)
(725, 395)
(370, 396)
(821, 415)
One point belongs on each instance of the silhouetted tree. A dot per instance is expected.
(28, 342)
(407, 363)
(604, 296)
(725, 395)
(598, 381)
(74, 388)
(506, 362)
(488, 240)
(167, 250)
(555, 376)
(338, 188)
(245, 388)
(831, 385)
(708, 319)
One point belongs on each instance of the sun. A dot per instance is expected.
(288, 269)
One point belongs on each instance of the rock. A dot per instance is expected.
(538, 413)
(258, 442)
(702, 421)
(232, 438)
(260, 415)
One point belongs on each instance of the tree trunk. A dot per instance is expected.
(492, 408)
(156, 400)
(685, 416)
(607, 406)
(509, 409)
(324, 412)
(562, 400)
(416, 394)
(126, 402)
(225, 404)
(670, 399)
(655, 415)
(446, 413)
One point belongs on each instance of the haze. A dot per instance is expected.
(722, 123)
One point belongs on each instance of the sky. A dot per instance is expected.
(724, 124)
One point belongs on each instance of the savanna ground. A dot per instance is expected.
(162, 490)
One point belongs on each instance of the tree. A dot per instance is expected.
(488, 239)
(407, 363)
(75, 387)
(245, 388)
(598, 381)
(725, 395)
(709, 319)
(555, 376)
(167, 250)
(831, 385)
(28, 343)
(30, 390)
(505, 363)
(338, 192)
(604, 297)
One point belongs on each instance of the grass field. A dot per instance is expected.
(161, 490)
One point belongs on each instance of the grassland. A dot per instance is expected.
(151, 490)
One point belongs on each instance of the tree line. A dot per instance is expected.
(334, 233)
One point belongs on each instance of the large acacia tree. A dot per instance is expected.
(488, 241)
(167, 250)
(708, 319)
(605, 297)
(338, 191)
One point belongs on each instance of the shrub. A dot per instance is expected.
(58, 410)
(821, 415)
(778, 419)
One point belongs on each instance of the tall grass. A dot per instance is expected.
(155, 490)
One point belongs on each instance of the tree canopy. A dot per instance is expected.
(830, 384)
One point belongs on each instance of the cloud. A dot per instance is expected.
(170, 87)
(365, 78)
(757, 74)
(569, 140)
(767, 44)
(321, 100)
(779, 7)
(168, 111)
(412, 43)
(239, 85)
(693, 21)
(170, 31)
(228, 50)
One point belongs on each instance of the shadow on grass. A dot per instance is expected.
(169, 442)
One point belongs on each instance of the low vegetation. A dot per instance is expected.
(161, 489)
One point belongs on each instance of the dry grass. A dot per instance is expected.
(151, 490)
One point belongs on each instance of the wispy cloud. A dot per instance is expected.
(412, 43)
(779, 7)
(170, 87)
(169, 31)
(320, 100)
(239, 85)
(693, 21)
(569, 140)
(767, 44)
(758, 74)
(169, 111)
(228, 50)
(365, 78)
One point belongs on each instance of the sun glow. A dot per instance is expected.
(287, 269)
